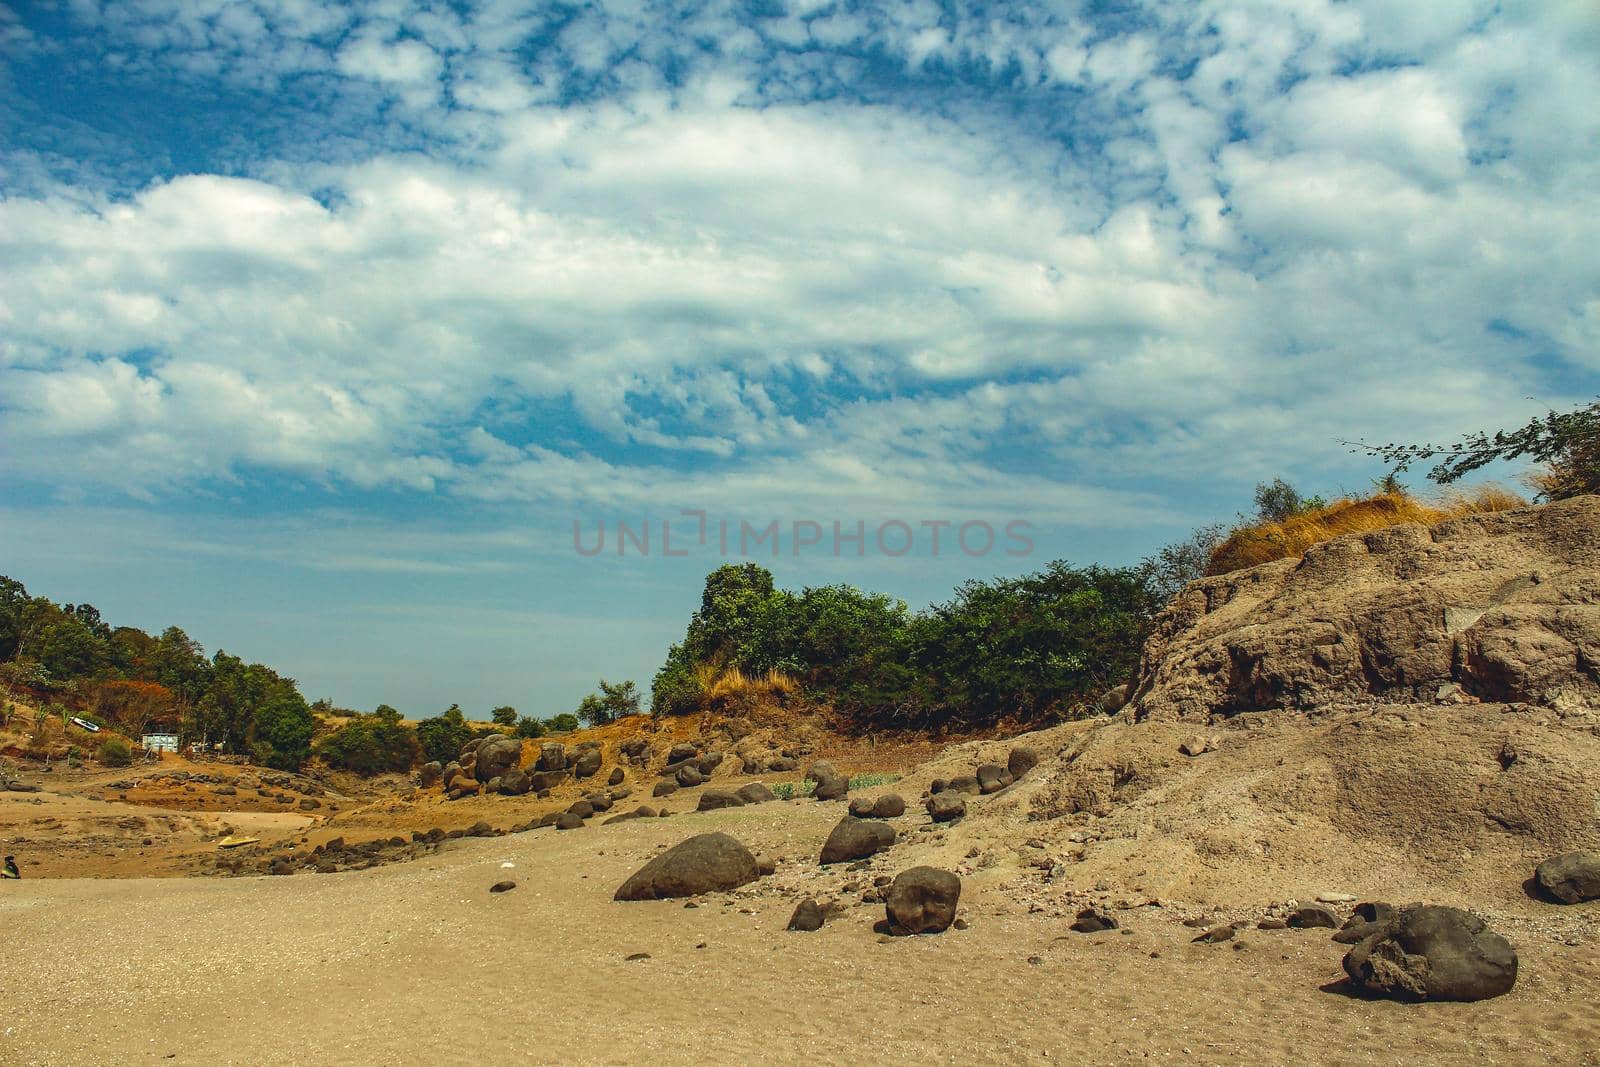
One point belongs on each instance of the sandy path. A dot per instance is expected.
(418, 962)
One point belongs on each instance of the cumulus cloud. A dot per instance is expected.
(640, 269)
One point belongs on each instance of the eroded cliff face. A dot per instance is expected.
(1501, 607)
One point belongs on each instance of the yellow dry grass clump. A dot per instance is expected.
(730, 687)
(1264, 542)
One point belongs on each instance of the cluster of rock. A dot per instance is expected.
(494, 765)
(944, 802)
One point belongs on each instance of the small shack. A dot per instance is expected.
(160, 736)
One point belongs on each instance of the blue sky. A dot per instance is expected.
(320, 325)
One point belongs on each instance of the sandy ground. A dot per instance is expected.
(419, 962)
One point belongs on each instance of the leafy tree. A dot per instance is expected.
(180, 664)
(283, 728)
(443, 737)
(1278, 501)
(69, 648)
(1568, 441)
(504, 716)
(1178, 564)
(528, 727)
(611, 703)
(563, 723)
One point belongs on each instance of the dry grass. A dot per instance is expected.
(731, 689)
(1264, 542)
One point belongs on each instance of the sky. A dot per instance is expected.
(334, 333)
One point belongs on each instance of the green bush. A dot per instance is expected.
(372, 744)
(443, 737)
(530, 728)
(115, 752)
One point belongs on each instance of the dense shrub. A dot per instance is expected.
(1028, 648)
(611, 703)
(443, 737)
(372, 744)
(114, 752)
(530, 728)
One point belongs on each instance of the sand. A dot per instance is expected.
(419, 962)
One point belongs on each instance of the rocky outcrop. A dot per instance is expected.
(496, 755)
(1499, 607)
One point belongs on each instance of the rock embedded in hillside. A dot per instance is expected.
(552, 757)
(713, 799)
(581, 808)
(782, 764)
(643, 811)
(1093, 921)
(1493, 603)
(616, 777)
(541, 781)
(1214, 936)
(807, 916)
(1432, 952)
(992, 778)
(567, 820)
(708, 763)
(515, 782)
(665, 787)
(831, 785)
(965, 783)
(755, 793)
(889, 806)
(496, 755)
(681, 752)
(598, 801)
(856, 839)
(430, 774)
(503, 887)
(706, 863)
(943, 807)
(635, 748)
(1021, 760)
(689, 776)
(922, 900)
(587, 763)
(1570, 878)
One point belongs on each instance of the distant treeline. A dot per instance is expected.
(130, 679)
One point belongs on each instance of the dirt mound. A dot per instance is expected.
(1497, 607)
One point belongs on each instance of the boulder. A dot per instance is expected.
(807, 916)
(712, 799)
(681, 752)
(706, 863)
(689, 776)
(515, 782)
(1312, 916)
(430, 774)
(1570, 878)
(496, 755)
(782, 764)
(708, 763)
(665, 787)
(922, 901)
(1431, 952)
(965, 783)
(567, 820)
(831, 785)
(755, 793)
(856, 839)
(946, 807)
(552, 757)
(642, 812)
(889, 806)
(540, 781)
(635, 748)
(861, 807)
(616, 777)
(992, 778)
(587, 763)
(581, 808)
(598, 801)
(938, 785)
(1022, 760)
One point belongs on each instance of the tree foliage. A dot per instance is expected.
(1567, 441)
(444, 736)
(372, 744)
(611, 703)
(1029, 648)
